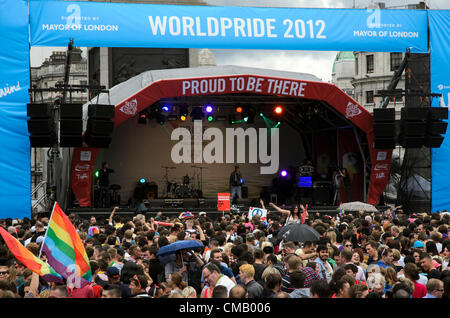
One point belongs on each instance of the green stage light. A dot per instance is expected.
(210, 118)
(97, 173)
(246, 119)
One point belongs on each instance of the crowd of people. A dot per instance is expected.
(388, 254)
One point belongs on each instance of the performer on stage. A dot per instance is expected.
(236, 184)
(341, 179)
(103, 183)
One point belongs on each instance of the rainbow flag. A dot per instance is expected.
(29, 260)
(341, 211)
(65, 250)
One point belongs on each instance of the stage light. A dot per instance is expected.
(238, 109)
(142, 180)
(97, 173)
(183, 118)
(261, 114)
(166, 108)
(209, 109)
(210, 118)
(284, 173)
(142, 118)
(246, 119)
(276, 126)
(278, 110)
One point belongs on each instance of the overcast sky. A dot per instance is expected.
(318, 63)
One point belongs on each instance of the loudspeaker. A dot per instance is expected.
(71, 126)
(383, 114)
(413, 128)
(100, 126)
(41, 141)
(414, 113)
(433, 141)
(97, 141)
(438, 113)
(41, 125)
(71, 141)
(384, 143)
(71, 111)
(101, 111)
(383, 129)
(437, 127)
(39, 110)
(412, 142)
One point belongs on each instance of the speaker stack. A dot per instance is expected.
(41, 125)
(384, 128)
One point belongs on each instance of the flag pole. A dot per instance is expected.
(46, 231)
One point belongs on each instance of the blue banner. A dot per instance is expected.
(54, 23)
(15, 183)
(440, 83)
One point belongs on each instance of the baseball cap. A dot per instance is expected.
(113, 272)
(418, 244)
(202, 213)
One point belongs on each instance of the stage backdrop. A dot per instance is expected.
(140, 151)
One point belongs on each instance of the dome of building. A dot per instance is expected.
(344, 55)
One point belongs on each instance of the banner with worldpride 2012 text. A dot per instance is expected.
(54, 23)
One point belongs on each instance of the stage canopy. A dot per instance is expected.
(231, 83)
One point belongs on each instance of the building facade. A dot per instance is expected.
(50, 73)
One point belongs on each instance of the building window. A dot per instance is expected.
(370, 64)
(369, 97)
(396, 60)
(356, 66)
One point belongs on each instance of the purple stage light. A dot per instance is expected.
(209, 109)
(283, 173)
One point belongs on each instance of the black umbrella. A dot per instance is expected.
(298, 233)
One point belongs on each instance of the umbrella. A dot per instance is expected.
(298, 233)
(178, 245)
(357, 206)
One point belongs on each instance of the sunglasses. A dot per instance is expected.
(348, 245)
(3, 273)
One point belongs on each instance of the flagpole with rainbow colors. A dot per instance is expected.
(65, 250)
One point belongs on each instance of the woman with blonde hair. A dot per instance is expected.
(189, 292)
(332, 235)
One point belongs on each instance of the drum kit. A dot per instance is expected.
(190, 186)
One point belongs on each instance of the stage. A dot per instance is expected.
(173, 207)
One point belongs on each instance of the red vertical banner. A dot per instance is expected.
(223, 202)
(350, 158)
(83, 162)
(324, 148)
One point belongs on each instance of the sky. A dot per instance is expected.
(318, 63)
